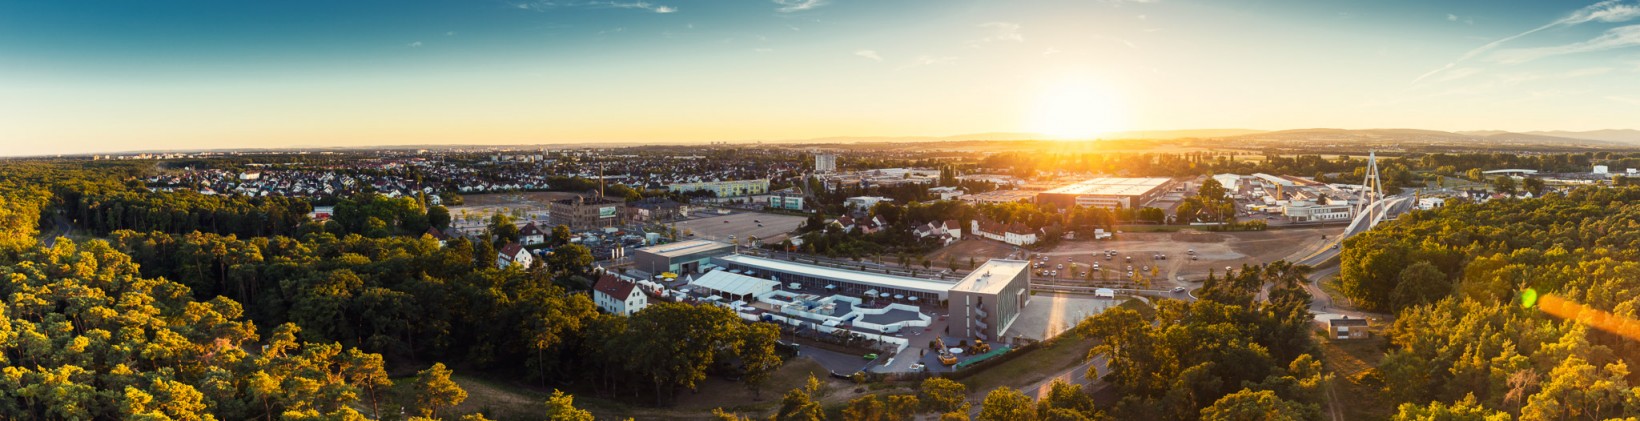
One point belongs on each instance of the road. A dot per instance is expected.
(1076, 375)
(60, 228)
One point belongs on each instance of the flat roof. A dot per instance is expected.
(842, 275)
(1112, 186)
(734, 283)
(990, 277)
(683, 247)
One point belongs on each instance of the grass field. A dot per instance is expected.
(1055, 355)
(1355, 385)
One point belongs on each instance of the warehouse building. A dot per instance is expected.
(838, 281)
(1108, 192)
(680, 257)
(988, 301)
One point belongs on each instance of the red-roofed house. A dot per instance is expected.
(1016, 233)
(618, 296)
(513, 253)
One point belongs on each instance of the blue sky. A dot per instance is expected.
(120, 75)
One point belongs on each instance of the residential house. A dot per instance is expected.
(531, 235)
(618, 296)
(513, 253)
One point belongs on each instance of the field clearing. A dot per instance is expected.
(1356, 388)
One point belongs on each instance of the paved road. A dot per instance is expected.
(1076, 375)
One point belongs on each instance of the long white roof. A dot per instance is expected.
(842, 275)
(734, 283)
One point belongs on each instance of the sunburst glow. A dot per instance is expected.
(1075, 110)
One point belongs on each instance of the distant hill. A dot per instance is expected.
(1611, 135)
(1141, 134)
(1416, 139)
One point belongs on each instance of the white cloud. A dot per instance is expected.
(1002, 31)
(416, 44)
(1051, 51)
(1451, 17)
(871, 54)
(450, 34)
(762, 50)
(789, 6)
(1605, 11)
(1619, 37)
(665, 9)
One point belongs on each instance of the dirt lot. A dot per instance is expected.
(1213, 250)
(476, 209)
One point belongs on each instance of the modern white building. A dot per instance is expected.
(825, 163)
(988, 301)
(1600, 169)
(1307, 211)
(1428, 203)
(729, 188)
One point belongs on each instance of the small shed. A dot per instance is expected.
(1348, 328)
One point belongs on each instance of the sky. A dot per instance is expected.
(119, 75)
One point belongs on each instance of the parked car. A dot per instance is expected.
(1178, 290)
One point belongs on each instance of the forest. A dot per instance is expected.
(1462, 338)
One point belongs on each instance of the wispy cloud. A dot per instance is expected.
(541, 6)
(1619, 37)
(1624, 99)
(416, 44)
(1051, 51)
(789, 6)
(1605, 11)
(1451, 17)
(871, 54)
(450, 34)
(927, 60)
(1002, 31)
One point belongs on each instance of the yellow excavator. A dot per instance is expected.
(945, 355)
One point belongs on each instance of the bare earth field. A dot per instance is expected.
(476, 209)
(1214, 251)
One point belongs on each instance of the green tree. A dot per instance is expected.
(1464, 410)
(1249, 405)
(939, 394)
(758, 356)
(1007, 404)
(1420, 283)
(797, 406)
(561, 407)
(435, 391)
(1504, 184)
(1533, 185)
(866, 408)
(560, 236)
(438, 217)
(502, 229)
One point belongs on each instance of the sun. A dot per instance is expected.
(1075, 110)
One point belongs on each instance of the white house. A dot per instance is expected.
(531, 235)
(513, 253)
(618, 296)
(1016, 233)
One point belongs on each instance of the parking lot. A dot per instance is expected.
(738, 225)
